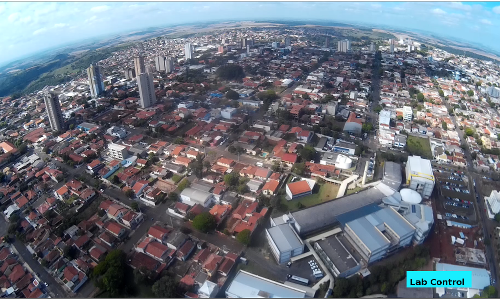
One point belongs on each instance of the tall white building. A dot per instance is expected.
(188, 51)
(53, 108)
(95, 80)
(407, 113)
(344, 46)
(146, 90)
(391, 45)
(140, 66)
(160, 63)
(288, 41)
(169, 65)
(372, 47)
(419, 176)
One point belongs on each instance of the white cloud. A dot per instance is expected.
(486, 21)
(14, 17)
(496, 9)
(91, 19)
(438, 11)
(60, 25)
(25, 19)
(39, 31)
(2, 9)
(460, 6)
(398, 8)
(99, 9)
(376, 5)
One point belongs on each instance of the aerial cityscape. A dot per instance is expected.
(249, 158)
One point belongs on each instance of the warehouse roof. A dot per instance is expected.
(284, 237)
(392, 175)
(248, 285)
(325, 214)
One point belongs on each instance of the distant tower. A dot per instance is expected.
(188, 51)
(248, 49)
(288, 41)
(244, 43)
(372, 47)
(391, 42)
(140, 67)
(95, 80)
(129, 73)
(169, 65)
(53, 108)
(327, 42)
(146, 90)
(344, 46)
(160, 63)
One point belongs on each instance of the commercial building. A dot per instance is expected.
(492, 204)
(117, 131)
(378, 234)
(146, 90)
(188, 51)
(248, 285)
(96, 84)
(191, 196)
(407, 113)
(344, 147)
(354, 124)
(53, 108)
(228, 113)
(480, 279)
(117, 151)
(325, 215)
(335, 255)
(140, 66)
(284, 242)
(419, 176)
(384, 118)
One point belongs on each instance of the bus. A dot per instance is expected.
(298, 279)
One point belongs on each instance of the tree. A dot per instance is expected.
(135, 206)
(497, 217)
(444, 125)
(179, 140)
(173, 196)
(230, 72)
(377, 109)
(165, 287)
(232, 95)
(469, 131)
(183, 184)
(367, 127)
(231, 179)
(204, 222)
(276, 167)
(299, 168)
(441, 93)
(244, 237)
(470, 93)
(420, 97)
(129, 193)
(307, 153)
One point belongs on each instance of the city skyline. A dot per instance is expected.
(33, 31)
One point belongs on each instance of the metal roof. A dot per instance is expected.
(195, 195)
(392, 175)
(480, 277)
(325, 214)
(248, 285)
(284, 237)
(371, 237)
(420, 165)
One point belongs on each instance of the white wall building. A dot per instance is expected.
(117, 151)
(419, 176)
(228, 112)
(284, 242)
(407, 113)
(480, 280)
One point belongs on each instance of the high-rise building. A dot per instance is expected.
(391, 45)
(248, 49)
(160, 63)
(275, 45)
(327, 42)
(95, 80)
(53, 108)
(169, 65)
(129, 73)
(372, 47)
(146, 90)
(244, 43)
(288, 41)
(140, 67)
(188, 51)
(221, 49)
(344, 46)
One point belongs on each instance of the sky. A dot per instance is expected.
(30, 27)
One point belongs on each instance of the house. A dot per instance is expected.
(186, 250)
(62, 193)
(115, 229)
(73, 278)
(211, 265)
(159, 233)
(225, 162)
(209, 289)
(157, 250)
(115, 211)
(299, 189)
(139, 186)
(353, 124)
(227, 264)
(183, 161)
(87, 194)
(270, 188)
(220, 212)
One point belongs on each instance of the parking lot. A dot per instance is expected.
(302, 268)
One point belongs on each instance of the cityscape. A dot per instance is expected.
(250, 159)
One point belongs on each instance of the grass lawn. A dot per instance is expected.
(419, 146)
(176, 178)
(321, 193)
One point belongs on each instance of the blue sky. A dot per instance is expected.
(29, 27)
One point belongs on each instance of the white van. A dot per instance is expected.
(259, 164)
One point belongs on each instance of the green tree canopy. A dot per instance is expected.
(244, 237)
(441, 93)
(230, 72)
(469, 131)
(307, 153)
(166, 287)
(232, 95)
(299, 168)
(420, 97)
(231, 179)
(204, 222)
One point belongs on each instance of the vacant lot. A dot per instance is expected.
(419, 146)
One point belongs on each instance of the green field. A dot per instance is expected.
(419, 146)
(321, 193)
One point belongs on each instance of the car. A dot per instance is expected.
(289, 264)
(46, 284)
(101, 190)
(152, 219)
